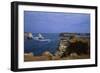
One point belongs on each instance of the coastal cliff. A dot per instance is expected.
(73, 45)
(70, 46)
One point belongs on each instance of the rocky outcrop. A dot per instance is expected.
(29, 54)
(48, 55)
(28, 35)
(45, 56)
(70, 43)
(63, 44)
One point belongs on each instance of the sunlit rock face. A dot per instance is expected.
(63, 44)
(71, 44)
(29, 54)
(48, 55)
(28, 35)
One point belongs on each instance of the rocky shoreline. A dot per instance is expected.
(70, 46)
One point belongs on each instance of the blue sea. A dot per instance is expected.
(38, 47)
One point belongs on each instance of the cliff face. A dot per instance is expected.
(71, 43)
(28, 35)
(63, 44)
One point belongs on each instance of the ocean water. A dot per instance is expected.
(38, 47)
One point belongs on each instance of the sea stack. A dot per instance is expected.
(28, 35)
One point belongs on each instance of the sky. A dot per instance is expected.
(56, 22)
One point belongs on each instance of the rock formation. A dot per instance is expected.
(71, 45)
(48, 55)
(28, 35)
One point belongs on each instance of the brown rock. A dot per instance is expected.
(48, 55)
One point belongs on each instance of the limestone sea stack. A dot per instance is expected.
(28, 35)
